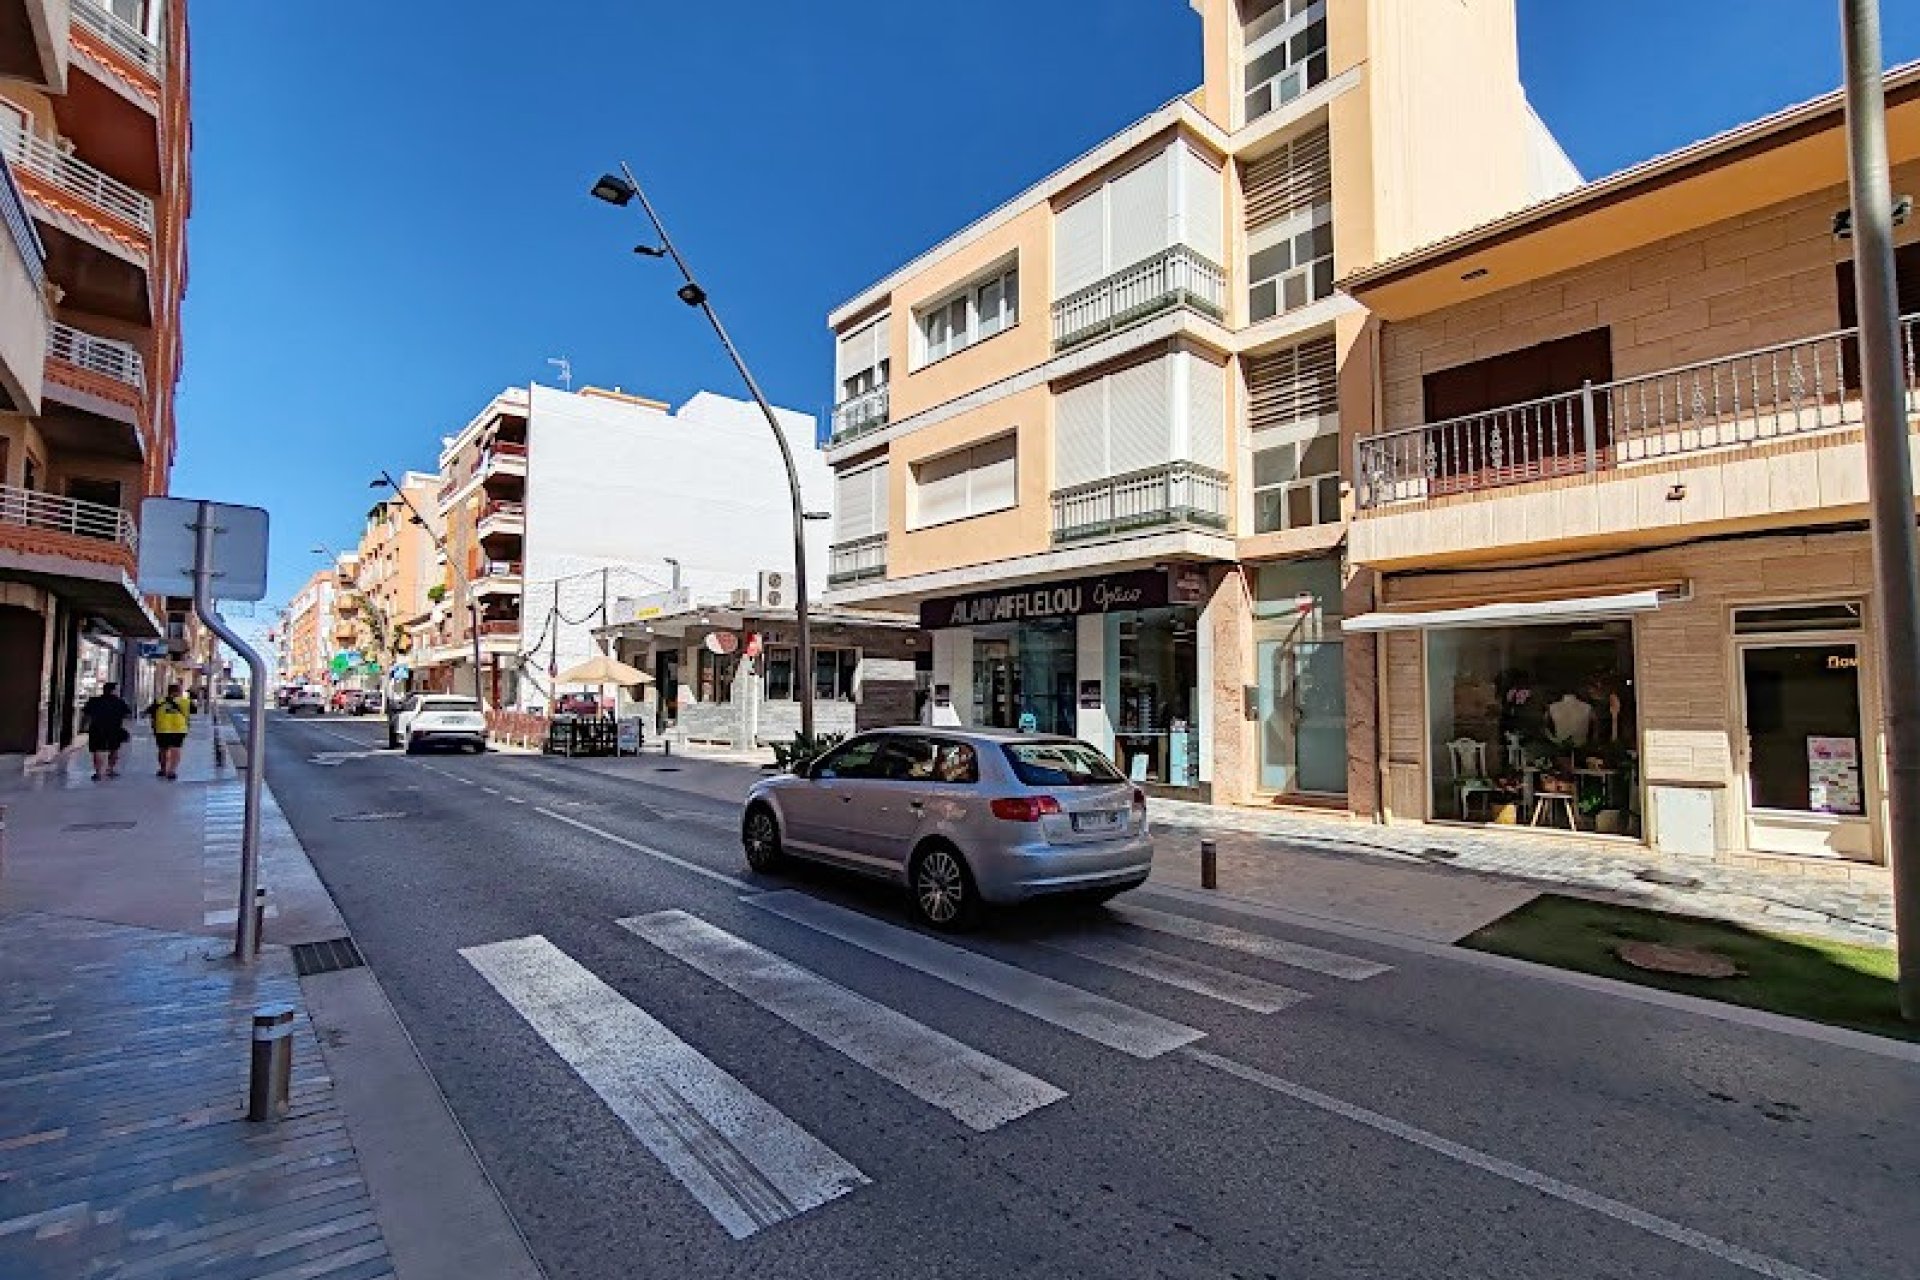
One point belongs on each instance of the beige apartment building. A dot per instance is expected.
(1613, 527)
(1096, 438)
(393, 568)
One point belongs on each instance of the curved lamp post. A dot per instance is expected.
(622, 189)
(386, 481)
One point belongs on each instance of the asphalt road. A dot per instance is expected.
(763, 1076)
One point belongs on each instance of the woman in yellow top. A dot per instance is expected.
(172, 716)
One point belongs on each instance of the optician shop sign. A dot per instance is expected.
(1115, 592)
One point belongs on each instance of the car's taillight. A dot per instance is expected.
(1139, 805)
(1025, 808)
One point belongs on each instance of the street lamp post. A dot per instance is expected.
(386, 481)
(621, 189)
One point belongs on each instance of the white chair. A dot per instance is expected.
(1468, 757)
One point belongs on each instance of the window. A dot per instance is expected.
(855, 759)
(973, 315)
(1289, 198)
(1517, 377)
(1293, 420)
(860, 360)
(1297, 485)
(1286, 51)
(1906, 278)
(1059, 764)
(860, 503)
(965, 483)
(1132, 420)
(779, 668)
(834, 671)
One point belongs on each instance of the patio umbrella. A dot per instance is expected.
(601, 669)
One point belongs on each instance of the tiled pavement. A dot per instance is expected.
(1263, 853)
(124, 1147)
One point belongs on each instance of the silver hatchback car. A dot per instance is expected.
(959, 816)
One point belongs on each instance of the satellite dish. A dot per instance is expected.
(722, 642)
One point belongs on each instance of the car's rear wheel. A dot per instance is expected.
(760, 838)
(944, 896)
(413, 745)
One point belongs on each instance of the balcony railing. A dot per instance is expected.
(502, 512)
(121, 35)
(857, 560)
(1175, 277)
(863, 413)
(19, 229)
(105, 356)
(508, 449)
(1720, 405)
(500, 626)
(1179, 493)
(33, 154)
(36, 510)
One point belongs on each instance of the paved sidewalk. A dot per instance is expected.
(125, 1028)
(1443, 883)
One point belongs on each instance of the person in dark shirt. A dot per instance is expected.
(104, 717)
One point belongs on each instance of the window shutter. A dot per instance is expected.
(1204, 208)
(855, 354)
(994, 475)
(940, 489)
(1138, 210)
(1292, 387)
(882, 496)
(1139, 410)
(1295, 179)
(1080, 434)
(1206, 412)
(1079, 244)
(860, 509)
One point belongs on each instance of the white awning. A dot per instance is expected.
(1518, 612)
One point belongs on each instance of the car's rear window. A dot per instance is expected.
(1060, 764)
(449, 704)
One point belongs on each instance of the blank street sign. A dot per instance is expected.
(167, 548)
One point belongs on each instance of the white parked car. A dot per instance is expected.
(308, 701)
(439, 719)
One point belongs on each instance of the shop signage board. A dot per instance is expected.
(1111, 593)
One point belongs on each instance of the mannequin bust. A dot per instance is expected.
(1572, 719)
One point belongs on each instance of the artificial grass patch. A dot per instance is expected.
(1837, 983)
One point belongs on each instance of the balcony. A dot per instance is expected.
(498, 577)
(23, 302)
(1174, 277)
(122, 39)
(1177, 494)
(66, 185)
(96, 392)
(857, 560)
(1758, 435)
(863, 413)
(504, 519)
(76, 526)
(33, 42)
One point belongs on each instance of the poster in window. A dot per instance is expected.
(1833, 776)
(1090, 698)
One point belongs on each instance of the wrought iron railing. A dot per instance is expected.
(106, 356)
(31, 153)
(861, 414)
(857, 560)
(19, 227)
(121, 35)
(1716, 405)
(36, 510)
(1179, 493)
(1174, 277)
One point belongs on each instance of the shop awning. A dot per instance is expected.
(1517, 612)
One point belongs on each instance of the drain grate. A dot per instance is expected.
(99, 826)
(310, 958)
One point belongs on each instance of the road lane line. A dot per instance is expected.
(492, 791)
(637, 847)
(515, 800)
(746, 1162)
(981, 1092)
(1545, 1184)
(1294, 954)
(1178, 971)
(1118, 1026)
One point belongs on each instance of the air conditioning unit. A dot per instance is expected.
(776, 591)
(740, 598)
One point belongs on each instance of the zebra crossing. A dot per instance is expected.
(742, 1159)
(226, 810)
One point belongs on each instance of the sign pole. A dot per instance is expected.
(246, 939)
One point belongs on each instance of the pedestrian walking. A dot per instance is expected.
(104, 720)
(172, 716)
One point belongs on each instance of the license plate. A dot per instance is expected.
(1104, 820)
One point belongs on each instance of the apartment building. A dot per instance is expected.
(309, 628)
(1613, 523)
(1095, 438)
(558, 503)
(393, 567)
(94, 195)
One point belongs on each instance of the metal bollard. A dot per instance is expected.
(270, 1076)
(1209, 865)
(259, 917)
(666, 744)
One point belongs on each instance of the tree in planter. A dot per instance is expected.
(795, 755)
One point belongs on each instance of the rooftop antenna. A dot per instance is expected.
(565, 366)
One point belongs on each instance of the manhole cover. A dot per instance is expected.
(99, 826)
(310, 958)
(367, 817)
(666, 768)
(1683, 961)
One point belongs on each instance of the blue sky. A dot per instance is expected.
(391, 220)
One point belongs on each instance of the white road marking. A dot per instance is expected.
(748, 1164)
(515, 800)
(981, 1092)
(492, 791)
(1545, 1184)
(1104, 1021)
(1178, 971)
(1297, 955)
(651, 852)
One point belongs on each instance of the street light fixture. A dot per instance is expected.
(622, 189)
(386, 481)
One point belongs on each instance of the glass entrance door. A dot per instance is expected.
(1805, 749)
(993, 680)
(1303, 717)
